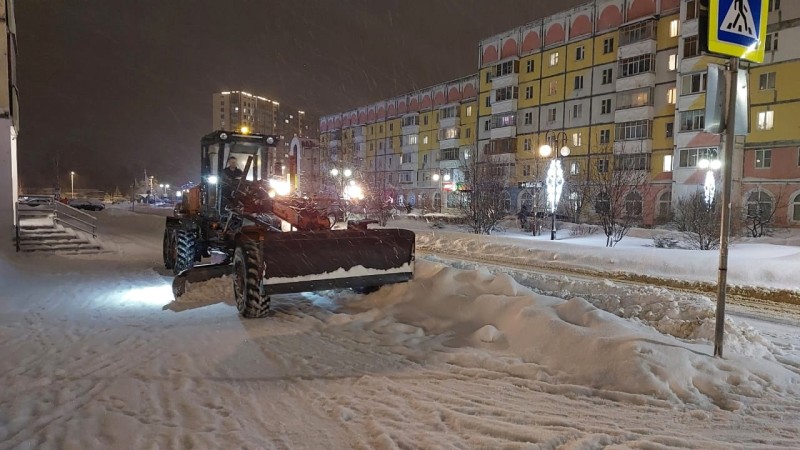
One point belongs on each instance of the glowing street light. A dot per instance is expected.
(72, 182)
(710, 185)
(555, 173)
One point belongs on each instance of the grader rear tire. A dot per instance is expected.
(247, 276)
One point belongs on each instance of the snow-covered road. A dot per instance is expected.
(91, 358)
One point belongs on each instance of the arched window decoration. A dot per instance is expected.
(633, 204)
(759, 205)
(664, 206)
(796, 208)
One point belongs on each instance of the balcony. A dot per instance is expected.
(512, 79)
(635, 113)
(449, 122)
(637, 39)
(504, 106)
(504, 132)
(638, 81)
(410, 124)
(634, 146)
(637, 48)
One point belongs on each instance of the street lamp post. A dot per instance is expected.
(441, 179)
(72, 183)
(555, 173)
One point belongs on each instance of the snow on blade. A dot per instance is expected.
(355, 271)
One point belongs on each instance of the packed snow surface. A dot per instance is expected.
(97, 354)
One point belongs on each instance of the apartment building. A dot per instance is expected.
(623, 84)
(9, 116)
(413, 147)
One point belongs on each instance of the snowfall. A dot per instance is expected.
(499, 342)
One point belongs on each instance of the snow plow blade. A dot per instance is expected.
(304, 261)
(199, 273)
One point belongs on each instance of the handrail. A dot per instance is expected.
(63, 210)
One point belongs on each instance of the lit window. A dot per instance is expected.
(674, 28)
(673, 61)
(553, 87)
(667, 163)
(574, 168)
(577, 139)
(469, 111)
(671, 95)
(425, 139)
(766, 81)
(553, 58)
(765, 120)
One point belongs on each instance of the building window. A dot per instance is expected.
(577, 139)
(486, 125)
(636, 32)
(759, 204)
(553, 90)
(602, 165)
(693, 84)
(468, 132)
(693, 120)
(488, 76)
(580, 53)
(765, 120)
(671, 96)
(772, 42)
(608, 76)
(633, 204)
(504, 120)
(605, 136)
(670, 129)
(605, 106)
(425, 119)
(664, 207)
(578, 82)
(506, 68)
(449, 133)
(506, 93)
(796, 208)
(410, 121)
(774, 5)
(488, 101)
(766, 81)
(635, 98)
(637, 129)
(688, 157)
(526, 172)
(553, 59)
(574, 168)
(405, 158)
(551, 115)
(674, 28)
(635, 161)
(526, 145)
(667, 167)
(673, 62)
(577, 111)
(469, 111)
(412, 139)
(763, 159)
(528, 92)
(528, 118)
(692, 9)
(691, 47)
(629, 67)
(529, 66)
(608, 45)
(424, 140)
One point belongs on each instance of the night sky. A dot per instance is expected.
(109, 88)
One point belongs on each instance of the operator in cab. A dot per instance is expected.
(231, 175)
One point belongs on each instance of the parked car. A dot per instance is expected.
(87, 204)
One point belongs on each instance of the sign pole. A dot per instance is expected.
(730, 137)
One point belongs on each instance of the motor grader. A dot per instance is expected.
(271, 241)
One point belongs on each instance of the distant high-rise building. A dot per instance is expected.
(232, 110)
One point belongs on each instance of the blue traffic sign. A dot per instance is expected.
(737, 28)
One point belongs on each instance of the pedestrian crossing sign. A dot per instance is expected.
(738, 28)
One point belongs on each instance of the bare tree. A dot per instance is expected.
(698, 220)
(482, 205)
(376, 202)
(619, 186)
(759, 213)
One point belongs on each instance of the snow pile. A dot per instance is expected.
(561, 341)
